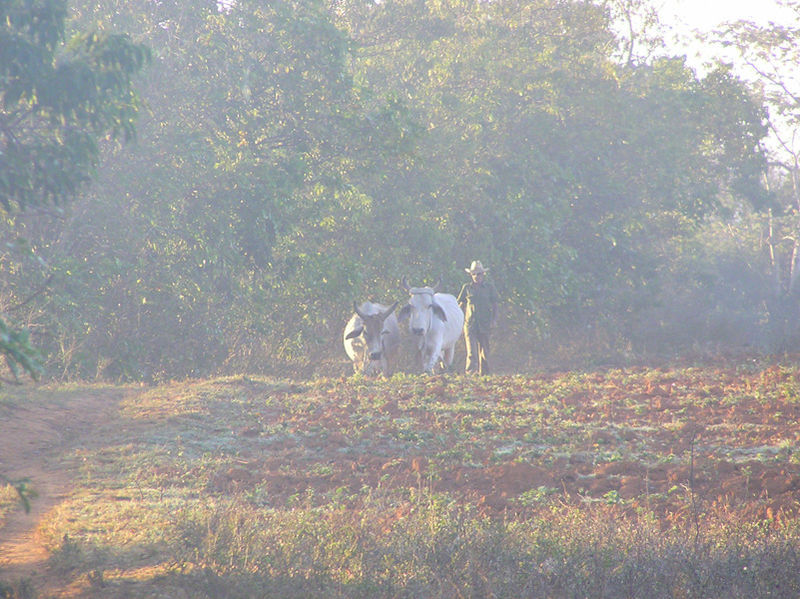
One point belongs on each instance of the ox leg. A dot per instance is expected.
(358, 364)
(367, 365)
(426, 363)
(374, 367)
(433, 358)
(390, 363)
(449, 354)
(424, 359)
(421, 355)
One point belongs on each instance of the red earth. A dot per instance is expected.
(33, 436)
(723, 442)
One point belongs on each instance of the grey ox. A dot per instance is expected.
(436, 320)
(372, 338)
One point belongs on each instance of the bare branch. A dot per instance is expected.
(33, 296)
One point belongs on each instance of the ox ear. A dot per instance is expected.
(404, 313)
(389, 310)
(439, 311)
(354, 333)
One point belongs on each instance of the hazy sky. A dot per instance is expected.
(707, 14)
(687, 16)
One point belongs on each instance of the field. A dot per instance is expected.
(668, 482)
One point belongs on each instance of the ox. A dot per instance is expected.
(436, 320)
(372, 338)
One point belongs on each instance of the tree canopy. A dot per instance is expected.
(58, 99)
(298, 156)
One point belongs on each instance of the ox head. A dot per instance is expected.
(421, 308)
(372, 328)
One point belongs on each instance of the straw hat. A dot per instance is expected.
(476, 268)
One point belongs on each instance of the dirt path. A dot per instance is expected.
(35, 436)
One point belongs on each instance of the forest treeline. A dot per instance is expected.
(294, 156)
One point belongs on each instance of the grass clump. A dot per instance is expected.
(439, 549)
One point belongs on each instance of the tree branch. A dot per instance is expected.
(33, 296)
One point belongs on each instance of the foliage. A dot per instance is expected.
(239, 216)
(304, 155)
(16, 349)
(58, 100)
(767, 56)
(441, 550)
(24, 492)
(561, 166)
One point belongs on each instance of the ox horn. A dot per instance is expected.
(355, 306)
(385, 314)
(435, 287)
(406, 286)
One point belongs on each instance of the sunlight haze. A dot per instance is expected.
(685, 20)
(689, 15)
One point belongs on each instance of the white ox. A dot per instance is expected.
(436, 320)
(372, 338)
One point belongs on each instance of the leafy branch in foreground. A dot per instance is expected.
(25, 493)
(19, 354)
(58, 98)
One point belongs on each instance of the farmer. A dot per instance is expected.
(478, 299)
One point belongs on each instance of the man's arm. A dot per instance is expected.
(462, 297)
(495, 298)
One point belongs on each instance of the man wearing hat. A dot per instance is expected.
(478, 299)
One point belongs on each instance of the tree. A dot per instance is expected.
(58, 99)
(565, 162)
(303, 154)
(768, 55)
(234, 199)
